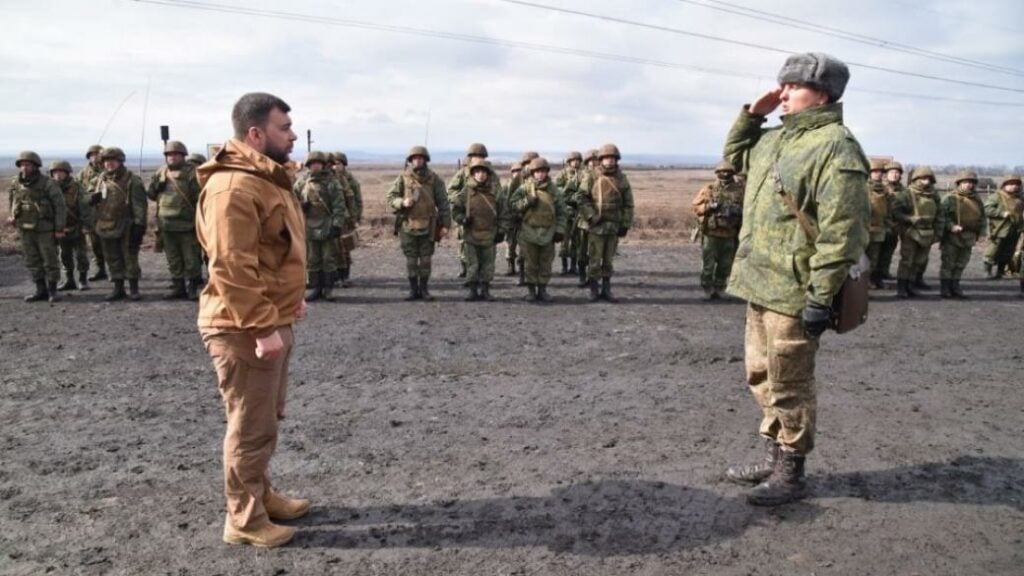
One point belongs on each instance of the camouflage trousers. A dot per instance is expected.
(40, 251)
(346, 245)
(74, 251)
(780, 374)
(321, 255)
(913, 258)
(874, 254)
(717, 255)
(886, 251)
(418, 250)
(512, 244)
(1000, 250)
(253, 391)
(601, 249)
(184, 257)
(537, 259)
(569, 247)
(954, 259)
(96, 244)
(122, 259)
(582, 243)
(480, 262)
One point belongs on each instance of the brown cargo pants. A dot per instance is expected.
(780, 372)
(253, 391)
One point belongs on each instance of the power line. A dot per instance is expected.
(763, 47)
(345, 22)
(791, 22)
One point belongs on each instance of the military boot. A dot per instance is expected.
(595, 292)
(956, 291)
(876, 280)
(583, 283)
(117, 293)
(178, 291)
(786, 484)
(40, 294)
(462, 269)
(414, 289)
(192, 292)
(709, 293)
(572, 267)
(474, 293)
(424, 291)
(1021, 295)
(1000, 271)
(756, 473)
(345, 282)
(83, 280)
(988, 270)
(327, 280)
(919, 283)
(565, 266)
(522, 274)
(133, 289)
(531, 295)
(101, 274)
(69, 282)
(511, 268)
(485, 292)
(542, 294)
(313, 291)
(902, 288)
(606, 290)
(945, 288)
(51, 289)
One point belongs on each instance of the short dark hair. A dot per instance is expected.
(253, 109)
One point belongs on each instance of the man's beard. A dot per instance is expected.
(279, 155)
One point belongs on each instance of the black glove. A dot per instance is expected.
(572, 204)
(531, 201)
(95, 198)
(135, 235)
(559, 237)
(714, 206)
(499, 237)
(595, 220)
(622, 232)
(468, 221)
(816, 319)
(335, 232)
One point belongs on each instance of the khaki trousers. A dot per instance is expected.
(780, 372)
(253, 391)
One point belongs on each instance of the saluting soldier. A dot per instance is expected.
(73, 247)
(419, 201)
(719, 208)
(916, 210)
(87, 178)
(541, 209)
(323, 204)
(964, 222)
(175, 189)
(38, 211)
(607, 205)
(880, 224)
(1004, 210)
(119, 200)
(478, 207)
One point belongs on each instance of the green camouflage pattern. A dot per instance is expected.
(532, 233)
(916, 211)
(1004, 212)
(964, 209)
(431, 182)
(37, 204)
(176, 193)
(823, 168)
(881, 211)
(323, 203)
(128, 206)
(621, 216)
(484, 196)
(78, 210)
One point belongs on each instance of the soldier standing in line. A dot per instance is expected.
(893, 186)
(580, 226)
(606, 203)
(805, 224)
(916, 210)
(38, 211)
(196, 159)
(323, 204)
(119, 201)
(881, 220)
(419, 201)
(73, 248)
(1005, 211)
(541, 209)
(87, 178)
(719, 208)
(514, 257)
(964, 218)
(455, 185)
(568, 181)
(354, 204)
(478, 208)
(175, 189)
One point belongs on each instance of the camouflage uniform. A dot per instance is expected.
(580, 227)
(916, 211)
(1004, 210)
(353, 195)
(419, 223)
(119, 201)
(606, 203)
(790, 275)
(719, 208)
(175, 189)
(512, 256)
(541, 209)
(964, 218)
(568, 181)
(484, 218)
(892, 236)
(326, 213)
(880, 226)
(38, 211)
(87, 178)
(73, 248)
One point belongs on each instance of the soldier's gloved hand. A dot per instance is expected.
(468, 221)
(559, 237)
(622, 232)
(499, 237)
(95, 198)
(595, 220)
(816, 319)
(135, 235)
(532, 201)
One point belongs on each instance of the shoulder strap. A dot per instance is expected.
(805, 223)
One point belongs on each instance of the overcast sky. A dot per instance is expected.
(67, 65)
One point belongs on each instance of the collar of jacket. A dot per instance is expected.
(31, 180)
(924, 190)
(608, 171)
(116, 174)
(542, 186)
(815, 117)
(966, 193)
(421, 175)
(237, 155)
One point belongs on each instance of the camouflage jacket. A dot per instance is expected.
(357, 194)
(916, 209)
(323, 204)
(540, 222)
(87, 177)
(37, 205)
(822, 167)
(122, 203)
(966, 210)
(608, 193)
(485, 206)
(79, 211)
(881, 211)
(176, 192)
(997, 205)
(724, 220)
(425, 182)
(568, 180)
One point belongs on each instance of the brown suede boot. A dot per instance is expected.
(280, 507)
(754, 473)
(785, 485)
(266, 536)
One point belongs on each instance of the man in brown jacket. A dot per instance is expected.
(250, 224)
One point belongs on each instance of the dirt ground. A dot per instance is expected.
(510, 438)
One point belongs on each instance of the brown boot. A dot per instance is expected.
(758, 472)
(785, 485)
(280, 507)
(266, 536)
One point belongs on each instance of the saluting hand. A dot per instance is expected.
(767, 103)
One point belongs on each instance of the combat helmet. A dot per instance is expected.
(528, 156)
(609, 150)
(591, 155)
(63, 165)
(316, 156)
(196, 158)
(893, 165)
(574, 155)
(877, 165)
(175, 147)
(418, 151)
(112, 152)
(968, 175)
(922, 172)
(516, 166)
(477, 149)
(342, 157)
(94, 149)
(1010, 179)
(478, 162)
(725, 166)
(539, 163)
(28, 156)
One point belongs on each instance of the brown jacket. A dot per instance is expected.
(250, 224)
